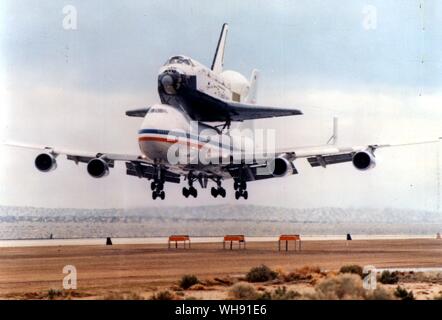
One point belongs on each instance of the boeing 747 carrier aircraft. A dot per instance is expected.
(189, 135)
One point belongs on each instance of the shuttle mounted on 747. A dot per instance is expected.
(213, 99)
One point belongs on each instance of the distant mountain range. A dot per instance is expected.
(221, 213)
(29, 222)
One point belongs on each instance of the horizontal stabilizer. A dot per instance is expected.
(137, 112)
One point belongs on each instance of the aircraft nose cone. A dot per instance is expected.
(169, 82)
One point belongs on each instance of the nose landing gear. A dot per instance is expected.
(157, 185)
(157, 190)
(240, 186)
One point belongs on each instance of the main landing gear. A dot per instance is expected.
(219, 190)
(191, 191)
(240, 186)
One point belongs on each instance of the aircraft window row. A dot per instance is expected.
(179, 60)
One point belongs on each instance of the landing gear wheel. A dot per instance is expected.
(214, 192)
(243, 185)
(154, 195)
(186, 192)
(193, 192)
(162, 195)
(153, 185)
(222, 192)
(245, 195)
(235, 185)
(237, 195)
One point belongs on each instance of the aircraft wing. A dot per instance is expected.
(136, 165)
(257, 168)
(76, 155)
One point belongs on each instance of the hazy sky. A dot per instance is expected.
(375, 64)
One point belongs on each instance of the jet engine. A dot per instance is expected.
(45, 162)
(98, 168)
(281, 167)
(364, 160)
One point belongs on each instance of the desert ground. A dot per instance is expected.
(141, 270)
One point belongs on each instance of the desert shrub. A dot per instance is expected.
(281, 293)
(224, 281)
(133, 296)
(403, 293)
(54, 293)
(352, 268)
(302, 274)
(188, 280)
(347, 286)
(243, 291)
(163, 295)
(261, 274)
(123, 296)
(343, 286)
(265, 296)
(388, 277)
(439, 296)
(295, 276)
(380, 293)
(308, 270)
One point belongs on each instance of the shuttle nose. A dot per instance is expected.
(170, 81)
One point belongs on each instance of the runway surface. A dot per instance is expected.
(162, 240)
(148, 267)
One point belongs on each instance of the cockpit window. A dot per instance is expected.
(179, 60)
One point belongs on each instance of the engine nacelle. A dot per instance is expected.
(364, 160)
(97, 168)
(45, 162)
(282, 167)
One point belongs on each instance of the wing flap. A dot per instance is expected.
(141, 170)
(323, 161)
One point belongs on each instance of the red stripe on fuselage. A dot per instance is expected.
(170, 140)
